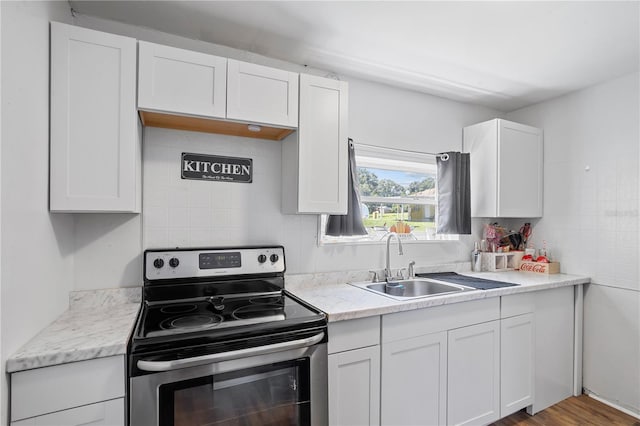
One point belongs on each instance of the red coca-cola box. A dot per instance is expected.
(540, 267)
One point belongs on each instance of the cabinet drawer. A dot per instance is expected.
(107, 413)
(45, 390)
(353, 334)
(405, 325)
(517, 304)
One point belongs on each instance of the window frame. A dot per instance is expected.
(389, 155)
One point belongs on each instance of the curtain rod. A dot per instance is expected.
(443, 155)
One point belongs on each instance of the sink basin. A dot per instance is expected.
(413, 288)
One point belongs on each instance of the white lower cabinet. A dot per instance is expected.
(473, 394)
(516, 363)
(87, 392)
(414, 381)
(468, 363)
(106, 413)
(554, 341)
(354, 372)
(354, 387)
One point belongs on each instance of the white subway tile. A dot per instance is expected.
(201, 218)
(156, 217)
(178, 217)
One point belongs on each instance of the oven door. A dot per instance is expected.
(253, 386)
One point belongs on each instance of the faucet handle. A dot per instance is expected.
(400, 275)
(375, 276)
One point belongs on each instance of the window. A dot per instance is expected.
(397, 194)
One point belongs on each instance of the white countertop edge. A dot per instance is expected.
(49, 359)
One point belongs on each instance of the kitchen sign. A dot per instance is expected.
(216, 168)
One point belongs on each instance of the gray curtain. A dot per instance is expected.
(350, 223)
(454, 195)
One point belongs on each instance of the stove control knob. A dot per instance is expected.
(262, 258)
(174, 262)
(274, 258)
(158, 263)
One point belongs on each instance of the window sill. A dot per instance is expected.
(355, 242)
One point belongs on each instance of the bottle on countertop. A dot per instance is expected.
(476, 259)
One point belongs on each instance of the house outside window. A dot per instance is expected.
(397, 194)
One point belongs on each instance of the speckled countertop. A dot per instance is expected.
(342, 301)
(97, 324)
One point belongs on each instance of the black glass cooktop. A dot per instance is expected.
(217, 316)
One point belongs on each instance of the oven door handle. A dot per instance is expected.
(226, 356)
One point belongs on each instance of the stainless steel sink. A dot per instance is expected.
(413, 288)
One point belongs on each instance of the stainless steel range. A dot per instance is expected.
(219, 341)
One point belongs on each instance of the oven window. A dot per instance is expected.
(277, 394)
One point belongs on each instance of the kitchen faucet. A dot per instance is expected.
(387, 270)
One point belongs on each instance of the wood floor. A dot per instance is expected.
(574, 411)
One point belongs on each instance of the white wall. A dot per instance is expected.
(37, 248)
(107, 250)
(250, 214)
(193, 213)
(591, 221)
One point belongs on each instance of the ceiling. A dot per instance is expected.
(505, 55)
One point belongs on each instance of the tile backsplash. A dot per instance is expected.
(180, 212)
(190, 213)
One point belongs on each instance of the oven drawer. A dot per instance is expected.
(60, 387)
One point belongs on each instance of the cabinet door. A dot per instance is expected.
(181, 81)
(554, 345)
(95, 147)
(261, 94)
(481, 142)
(506, 169)
(414, 381)
(354, 387)
(322, 143)
(473, 394)
(520, 160)
(107, 413)
(517, 366)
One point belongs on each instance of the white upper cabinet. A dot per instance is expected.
(181, 81)
(95, 140)
(506, 169)
(315, 164)
(260, 94)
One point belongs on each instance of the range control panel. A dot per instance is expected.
(214, 262)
